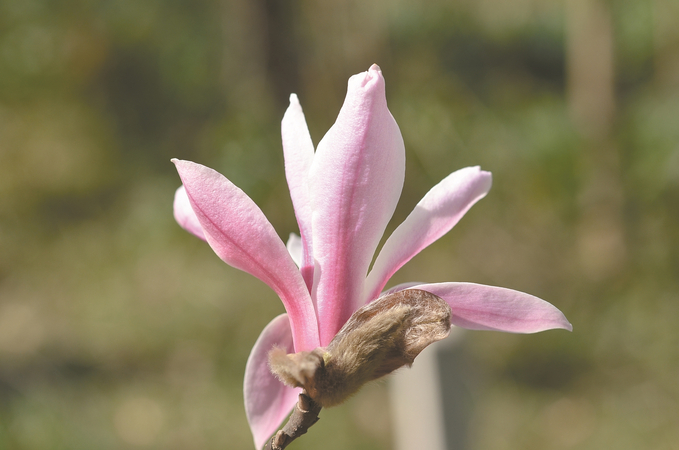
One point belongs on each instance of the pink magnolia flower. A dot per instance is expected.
(343, 194)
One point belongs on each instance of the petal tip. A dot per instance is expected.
(368, 79)
(179, 162)
(557, 322)
(484, 175)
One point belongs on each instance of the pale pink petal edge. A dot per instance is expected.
(298, 151)
(267, 401)
(438, 211)
(480, 307)
(241, 235)
(184, 215)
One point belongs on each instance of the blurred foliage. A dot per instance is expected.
(119, 330)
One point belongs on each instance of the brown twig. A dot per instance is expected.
(303, 416)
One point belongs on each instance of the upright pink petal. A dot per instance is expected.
(240, 234)
(355, 182)
(298, 150)
(479, 307)
(437, 212)
(184, 215)
(267, 401)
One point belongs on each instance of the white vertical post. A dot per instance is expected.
(418, 418)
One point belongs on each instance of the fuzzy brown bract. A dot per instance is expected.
(380, 337)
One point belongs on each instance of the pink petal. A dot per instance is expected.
(479, 307)
(267, 401)
(240, 234)
(438, 212)
(184, 215)
(355, 182)
(298, 150)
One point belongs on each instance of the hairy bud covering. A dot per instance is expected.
(380, 337)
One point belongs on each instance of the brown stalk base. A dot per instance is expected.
(303, 416)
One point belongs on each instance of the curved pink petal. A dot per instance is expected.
(355, 182)
(184, 215)
(298, 150)
(438, 211)
(267, 401)
(480, 307)
(240, 234)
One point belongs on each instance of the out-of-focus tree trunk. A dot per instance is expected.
(666, 42)
(244, 64)
(590, 67)
(591, 101)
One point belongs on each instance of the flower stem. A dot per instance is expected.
(303, 416)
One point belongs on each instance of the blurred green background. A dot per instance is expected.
(119, 330)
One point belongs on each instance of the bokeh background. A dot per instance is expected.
(118, 330)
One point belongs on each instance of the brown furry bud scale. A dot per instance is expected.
(380, 337)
